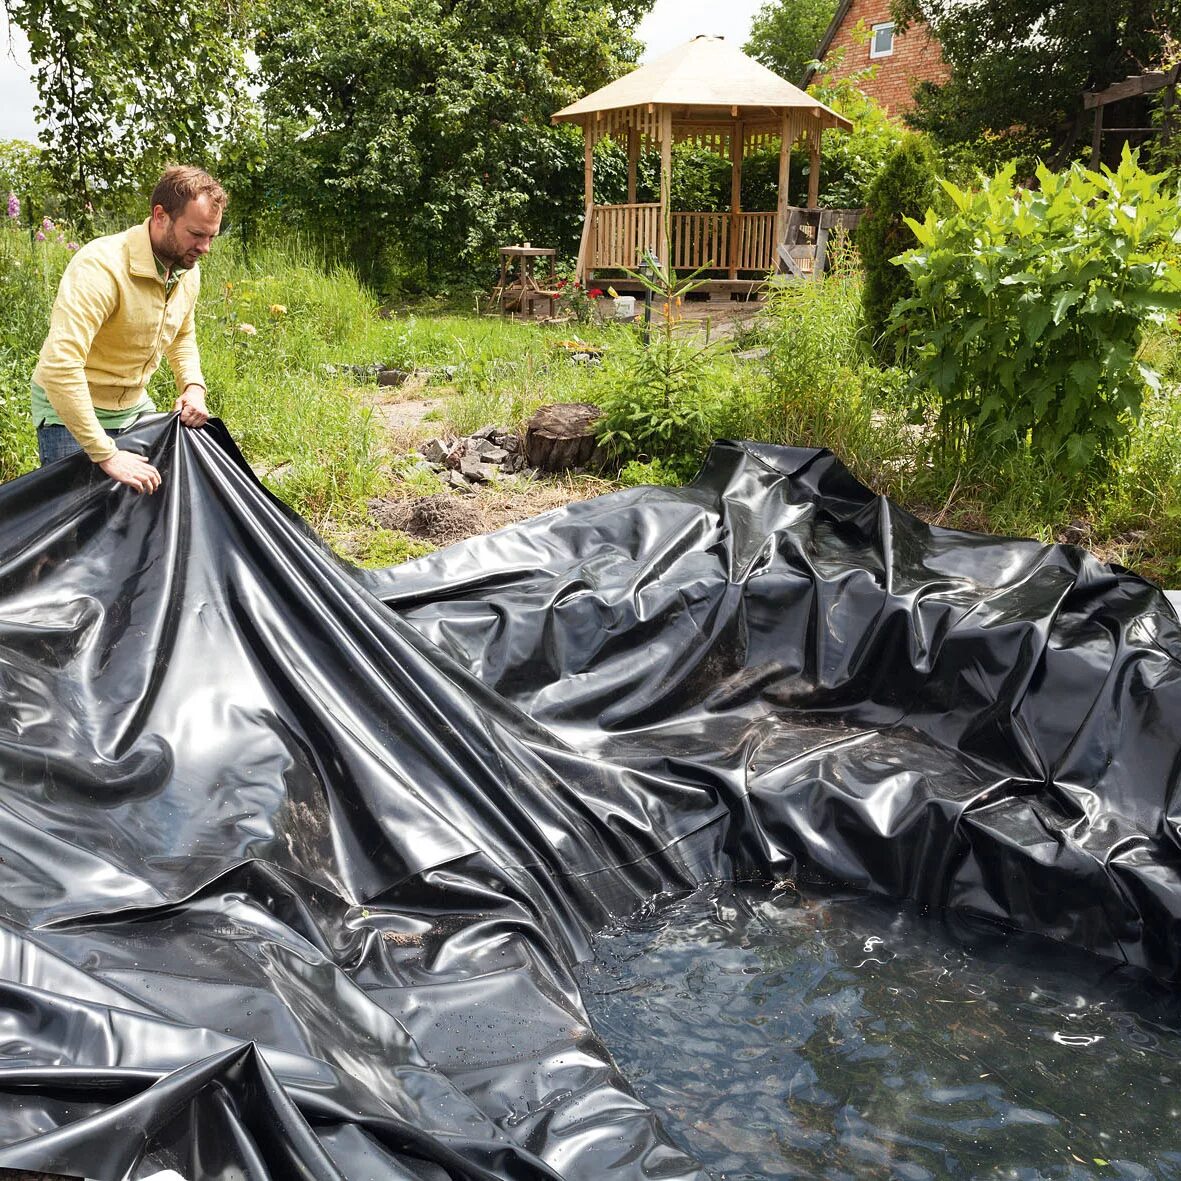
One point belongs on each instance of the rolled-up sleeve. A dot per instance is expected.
(183, 358)
(86, 297)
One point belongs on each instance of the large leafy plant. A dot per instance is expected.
(1030, 304)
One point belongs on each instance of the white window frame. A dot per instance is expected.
(873, 36)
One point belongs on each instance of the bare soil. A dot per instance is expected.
(446, 517)
(410, 414)
(409, 418)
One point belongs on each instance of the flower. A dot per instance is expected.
(46, 224)
(594, 293)
(247, 329)
(14, 206)
(40, 237)
(278, 309)
(71, 245)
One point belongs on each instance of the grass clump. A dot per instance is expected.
(29, 274)
(375, 549)
(820, 386)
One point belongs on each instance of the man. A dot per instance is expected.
(125, 300)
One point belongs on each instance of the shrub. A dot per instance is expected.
(905, 187)
(1029, 309)
(664, 402)
(636, 474)
(664, 399)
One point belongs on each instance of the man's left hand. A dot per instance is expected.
(191, 405)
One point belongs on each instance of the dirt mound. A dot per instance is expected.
(441, 518)
(446, 517)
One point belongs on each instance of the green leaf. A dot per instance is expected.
(1034, 322)
(1064, 301)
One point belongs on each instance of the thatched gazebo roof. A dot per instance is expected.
(702, 81)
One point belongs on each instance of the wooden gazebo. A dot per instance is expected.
(714, 95)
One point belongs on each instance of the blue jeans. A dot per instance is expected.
(54, 442)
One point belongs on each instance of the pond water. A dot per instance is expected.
(810, 1033)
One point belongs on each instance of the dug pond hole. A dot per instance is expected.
(815, 1033)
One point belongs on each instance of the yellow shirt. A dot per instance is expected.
(112, 321)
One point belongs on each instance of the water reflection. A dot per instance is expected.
(789, 1034)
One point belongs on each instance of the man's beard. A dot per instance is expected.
(170, 252)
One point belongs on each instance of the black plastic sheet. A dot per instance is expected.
(295, 860)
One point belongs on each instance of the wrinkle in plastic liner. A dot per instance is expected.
(296, 860)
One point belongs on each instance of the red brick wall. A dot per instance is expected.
(916, 56)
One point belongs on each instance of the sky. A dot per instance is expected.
(673, 22)
(17, 93)
(669, 24)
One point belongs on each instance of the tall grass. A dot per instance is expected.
(276, 331)
(819, 387)
(29, 273)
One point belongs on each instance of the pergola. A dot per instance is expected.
(1133, 86)
(712, 94)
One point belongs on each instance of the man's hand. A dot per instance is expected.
(191, 405)
(133, 470)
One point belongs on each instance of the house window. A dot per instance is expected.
(882, 42)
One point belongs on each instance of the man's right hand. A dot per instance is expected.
(133, 470)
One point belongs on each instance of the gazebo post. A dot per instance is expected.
(784, 178)
(666, 180)
(633, 159)
(737, 144)
(585, 263)
(588, 165)
(814, 134)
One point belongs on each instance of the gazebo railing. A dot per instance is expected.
(698, 239)
(621, 234)
(756, 242)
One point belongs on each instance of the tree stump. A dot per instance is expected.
(562, 436)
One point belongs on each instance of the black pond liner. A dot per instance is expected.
(296, 862)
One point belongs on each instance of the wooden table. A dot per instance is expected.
(519, 286)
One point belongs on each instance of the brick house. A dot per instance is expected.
(901, 59)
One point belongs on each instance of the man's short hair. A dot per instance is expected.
(180, 184)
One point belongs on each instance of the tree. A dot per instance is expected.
(422, 130)
(785, 34)
(1019, 67)
(125, 87)
(905, 188)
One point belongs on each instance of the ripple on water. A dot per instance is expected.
(828, 1034)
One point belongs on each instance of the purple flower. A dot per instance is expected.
(46, 224)
(40, 236)
(14, 206)
(71, 245)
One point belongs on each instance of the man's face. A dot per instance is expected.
(181, 241)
